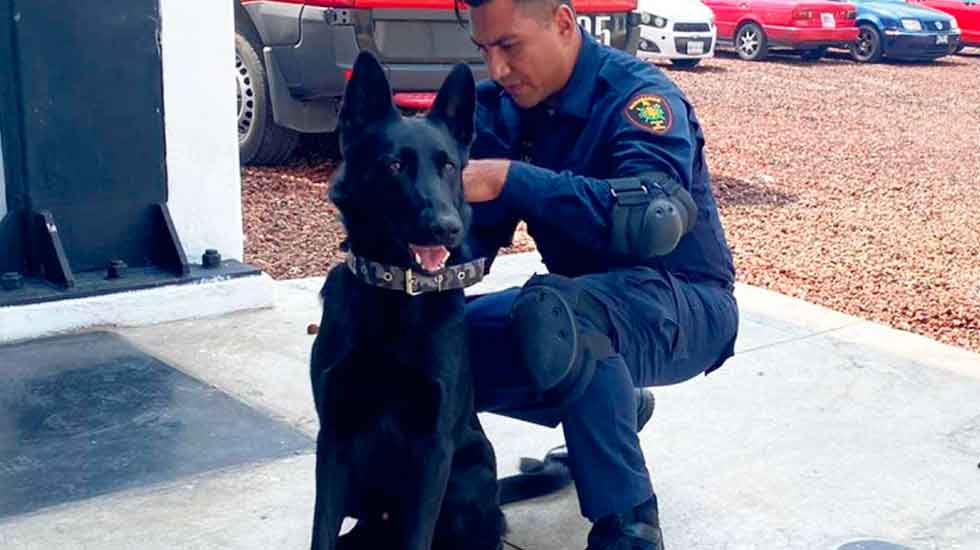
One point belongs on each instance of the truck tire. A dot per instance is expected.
(260, 139)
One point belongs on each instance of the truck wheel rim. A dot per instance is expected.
(246, 97)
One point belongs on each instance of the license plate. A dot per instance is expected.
(942, 39)
(828, 21)
(695, 48)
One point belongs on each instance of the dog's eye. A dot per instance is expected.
(395, 167)
(449, 169)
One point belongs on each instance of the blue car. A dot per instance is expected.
(898, 30)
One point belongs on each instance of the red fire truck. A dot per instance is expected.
(293, 58)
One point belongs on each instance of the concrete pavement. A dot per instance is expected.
(823, 430)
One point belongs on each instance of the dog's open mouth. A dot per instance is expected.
(430, 258)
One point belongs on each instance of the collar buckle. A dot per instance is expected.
(410, 287)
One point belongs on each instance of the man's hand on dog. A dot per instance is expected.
(484, 179)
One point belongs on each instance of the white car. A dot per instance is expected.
(681, 31)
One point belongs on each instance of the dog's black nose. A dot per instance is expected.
(446, 228)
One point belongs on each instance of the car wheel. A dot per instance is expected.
(751, 43)
(813, 55)
(867, 48)
(260, 139)
(685, 63)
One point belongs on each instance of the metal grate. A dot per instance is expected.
(691, 27)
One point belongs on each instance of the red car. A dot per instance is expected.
(754, 27)
(967, 14)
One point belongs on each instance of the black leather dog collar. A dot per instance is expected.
(412, 282)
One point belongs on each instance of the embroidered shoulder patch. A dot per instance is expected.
(650, 112)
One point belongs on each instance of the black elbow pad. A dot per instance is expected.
(651, 213)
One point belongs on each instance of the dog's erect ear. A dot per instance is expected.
(368, 96)
(455, 104)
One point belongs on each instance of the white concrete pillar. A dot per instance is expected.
(200, 123)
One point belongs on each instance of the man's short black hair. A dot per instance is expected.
(553, 4)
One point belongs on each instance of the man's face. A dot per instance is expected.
(526, 47)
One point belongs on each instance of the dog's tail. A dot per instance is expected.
(537, 478)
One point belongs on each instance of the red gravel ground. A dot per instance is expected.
(850, 186)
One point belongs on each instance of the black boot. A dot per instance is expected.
(639, 530)
(645, 404)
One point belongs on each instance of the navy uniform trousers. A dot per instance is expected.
(665, 331)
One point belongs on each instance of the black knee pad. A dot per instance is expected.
(557, 353)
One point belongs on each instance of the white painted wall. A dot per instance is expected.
(3, 183)
(203, 174)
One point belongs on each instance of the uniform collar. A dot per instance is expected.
(575, 99)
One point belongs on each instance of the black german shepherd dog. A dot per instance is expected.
(400, 446)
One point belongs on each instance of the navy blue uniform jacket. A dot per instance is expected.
(595, 129)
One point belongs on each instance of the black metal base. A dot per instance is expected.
(90, 414)
(52, 264)
(97, 283)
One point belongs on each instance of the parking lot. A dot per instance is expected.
(850, 186)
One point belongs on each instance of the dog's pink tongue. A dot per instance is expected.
(432, 258)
